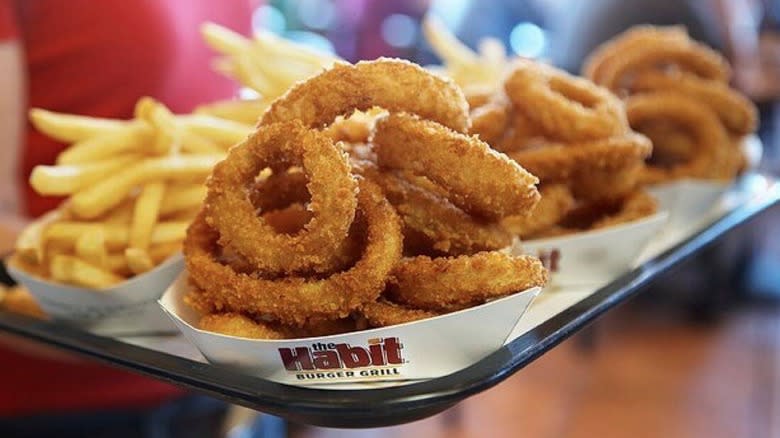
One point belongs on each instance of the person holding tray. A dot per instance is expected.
(97, 59)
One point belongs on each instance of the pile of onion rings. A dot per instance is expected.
(677, 93)
(393, 216)
(574, 136)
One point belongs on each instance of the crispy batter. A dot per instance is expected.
(383, 313)
(736, 111)
(235, 324)
(443, 226)
(634, 39)
(563, 106)
(486, 183)
(392, 84)
(711, 160)
(557, 200)
(332, 187)
(450, 283)
(688, 56)
(557, 162)
(296, 300)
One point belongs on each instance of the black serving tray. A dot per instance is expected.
(399, 404)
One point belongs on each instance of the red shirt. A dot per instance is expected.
(97, 58)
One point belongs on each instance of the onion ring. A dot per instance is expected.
(382, 313)
(565, 107)
(443, 226)
(558, 162)
(736, 111)
(521, 133)
(487, 184)
(391, 84)
(333, 200)
(451, 283)
(711, 160)
(235, 324)
(690, 56)
(634, 39)
(489, 121)
(296, 300)
(557, 200)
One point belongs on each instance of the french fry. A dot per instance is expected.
(275, 46)
(132, 138)
(466, 67)
(170, 134)
(91, 247)
(117, 236)
(122, 177)
(138, 260)
(31, 243)
(242, 111)
(108, 193)
(225, 132)
(145, 213)
(117, 263)
(70, 178)
(121, 214)
(70, 128)
(160, 252)
(223, 39)
(266, 63)
(72, 270)
(449, 49)
(181, 198)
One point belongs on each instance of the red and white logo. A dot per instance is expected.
(331, 356)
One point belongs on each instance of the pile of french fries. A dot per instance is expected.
(267, 64)
(133, 187)
(473, 71)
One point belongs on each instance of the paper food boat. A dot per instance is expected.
(129, 308)
(692, 202)
(593, 257)
(417, 350)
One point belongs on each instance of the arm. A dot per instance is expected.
(12, 106)
(13, 91)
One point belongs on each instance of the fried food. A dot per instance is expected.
(665, 62)
(555, 203)
(452, 283)
(488, 184)
(559, 162)
(258, 254)
(563, 106)
(318, 248)
(634, 39)
(235, 324)
(710, 159)
(687, 56)
(471, 70)
(295, 300)
(737, 113)
(382, 313)
(439, 224)
(266, 63)
(133, 187)
(392, 84)
(17, 299)
(489, 121)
